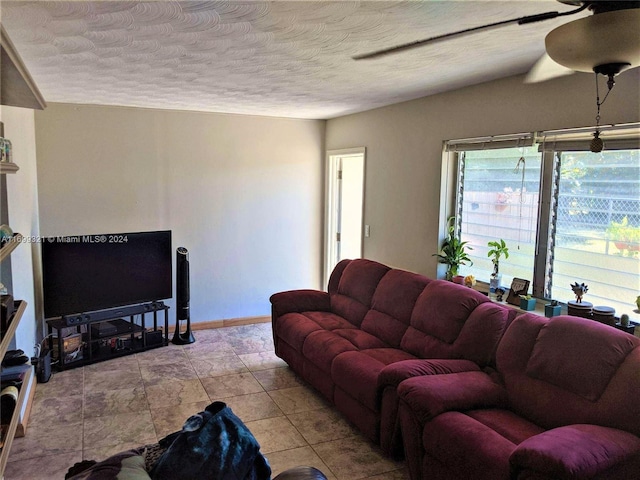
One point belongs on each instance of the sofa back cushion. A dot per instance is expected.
(392, 304)
(438, 319)
(358, 283)
(568, 370)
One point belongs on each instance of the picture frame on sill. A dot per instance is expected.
(519, 286)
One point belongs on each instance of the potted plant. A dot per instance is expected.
(624, 236)
(497, 250)
(527, 302)
(452, 253)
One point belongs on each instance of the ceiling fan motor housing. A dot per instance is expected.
(607, 42)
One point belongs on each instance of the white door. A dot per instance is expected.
(345, 202)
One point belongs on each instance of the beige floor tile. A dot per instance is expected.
(231, 385)
(165, 372)
(175, 392)
(56, 410)
(46, 468)
(296, 457)
(208, 335)
(126, 363)
(262, 361)
(297, 399)
(275, 434)
(162, 355)
(254, 406)
(62, 384)
(45, 440)
(126, 400)
(402, 474)
(208, 349)
(218, 366)
(277, 378)
(96, 381)
(354, 458)
(167, 420)
(322, 425)
(124, 428)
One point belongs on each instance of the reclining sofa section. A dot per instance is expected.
(373, 329)
(563, 404)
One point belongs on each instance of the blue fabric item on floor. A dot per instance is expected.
(212, 445)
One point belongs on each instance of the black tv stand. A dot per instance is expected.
(92, 337)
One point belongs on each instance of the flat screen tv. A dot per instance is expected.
(85, 273)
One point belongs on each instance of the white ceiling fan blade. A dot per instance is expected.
(546, 69)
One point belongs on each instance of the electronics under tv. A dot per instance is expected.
(89, 273)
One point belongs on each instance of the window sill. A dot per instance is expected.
(483, 288)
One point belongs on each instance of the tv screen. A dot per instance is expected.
(85, 273)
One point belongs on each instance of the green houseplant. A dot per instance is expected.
(527, 302)
(497, 249)
(624, 236)
(452, 252)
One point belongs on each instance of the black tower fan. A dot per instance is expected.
(182, 298)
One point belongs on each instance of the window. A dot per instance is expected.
(566, 214)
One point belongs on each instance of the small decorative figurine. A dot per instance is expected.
(499, 293)
(579, 290)
(469, 280)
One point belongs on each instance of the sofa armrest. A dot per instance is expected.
(575, 451)
(430, 395)
(392, 375)
(297, 301)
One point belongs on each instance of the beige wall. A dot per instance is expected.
(22, 198)
(404, 148)
(243, 194)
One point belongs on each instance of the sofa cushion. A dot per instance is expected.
(392, 305)
(321, 347)
(329, 321)
(469, 448)
(294, 328)
(511, 426)
(533, 347)
(357, 373)
(361, 340)
(443, 307)
(594, 348)
(357, 285)
(438, 317)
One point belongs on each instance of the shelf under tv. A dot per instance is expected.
(90, 341)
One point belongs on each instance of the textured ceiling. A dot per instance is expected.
(280, 58)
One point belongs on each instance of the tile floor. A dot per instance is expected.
(95, 411)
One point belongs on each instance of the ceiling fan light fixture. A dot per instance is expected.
(602, 39)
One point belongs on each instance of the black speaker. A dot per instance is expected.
(182, 298)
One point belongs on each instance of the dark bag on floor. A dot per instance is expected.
(212, 445)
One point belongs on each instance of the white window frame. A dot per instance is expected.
(616, 137)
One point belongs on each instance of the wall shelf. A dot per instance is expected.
(10, 246)
(15, 420)
(17, 88)
(8, 167)
(20, 306)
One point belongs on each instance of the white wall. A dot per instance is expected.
(243, 194)
(404, 148)
(22, 197)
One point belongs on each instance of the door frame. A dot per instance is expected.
(332, 194)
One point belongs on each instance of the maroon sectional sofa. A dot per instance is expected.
(563, 403)
(374, 328)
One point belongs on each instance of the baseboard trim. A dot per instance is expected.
(229, 322)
